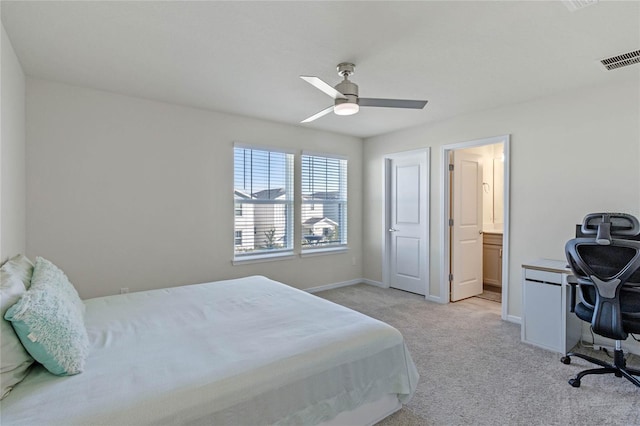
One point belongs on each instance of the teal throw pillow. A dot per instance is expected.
(51, 328)
(45, 271)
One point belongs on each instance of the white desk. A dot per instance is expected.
(546, 318)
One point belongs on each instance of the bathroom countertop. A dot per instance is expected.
(492, 229)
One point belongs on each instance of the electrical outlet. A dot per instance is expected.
(124, 290)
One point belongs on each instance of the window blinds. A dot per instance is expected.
(263, 195)
(324, 201)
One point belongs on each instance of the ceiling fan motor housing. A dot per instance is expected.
(346, 87)
(349, 90)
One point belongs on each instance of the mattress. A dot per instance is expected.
(248, 351)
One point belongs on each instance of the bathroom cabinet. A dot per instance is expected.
(492, 259)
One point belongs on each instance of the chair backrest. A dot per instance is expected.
(606, 258)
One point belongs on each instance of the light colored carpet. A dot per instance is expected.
(475, 370)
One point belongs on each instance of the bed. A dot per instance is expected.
(248, 351)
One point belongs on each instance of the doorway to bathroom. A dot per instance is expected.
(475, 204)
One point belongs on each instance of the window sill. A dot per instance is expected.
(324, 251)
(260, 258)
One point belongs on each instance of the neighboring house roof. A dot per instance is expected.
(331, 195)
(241, 194)
(275, 193)
(269, 194)
(317, 220)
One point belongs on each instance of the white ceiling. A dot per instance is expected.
(245, 57)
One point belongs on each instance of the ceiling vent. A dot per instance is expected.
(574, 5)
(622, 60)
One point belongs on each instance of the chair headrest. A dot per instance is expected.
(606, 226)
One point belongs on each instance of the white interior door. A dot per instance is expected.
(466, 230)
(407, 221)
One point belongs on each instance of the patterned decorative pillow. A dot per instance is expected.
(50, 326)
(14, 359)
(45, 271)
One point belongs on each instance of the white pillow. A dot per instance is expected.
(14, 359)
(20, 266)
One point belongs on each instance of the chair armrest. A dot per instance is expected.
(573, 282)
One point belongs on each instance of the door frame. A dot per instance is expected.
(386, 213)
(445, 246)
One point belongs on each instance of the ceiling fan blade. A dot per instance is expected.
(319, 84)
(391, 103)
(318, 114)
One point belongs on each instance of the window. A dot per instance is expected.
(324, 201)
(263, 193)
(238, 239)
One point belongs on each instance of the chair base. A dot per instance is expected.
(618, 368)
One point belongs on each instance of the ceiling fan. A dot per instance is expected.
(346, 97)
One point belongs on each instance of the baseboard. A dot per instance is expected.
(374, 283)
(436, 299)
(514, 319)
(334, 285)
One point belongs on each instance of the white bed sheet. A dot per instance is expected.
(240, 352)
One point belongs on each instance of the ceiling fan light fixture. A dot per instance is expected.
(346, 108)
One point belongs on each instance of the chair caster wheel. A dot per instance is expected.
(565, 360)
(574, 382)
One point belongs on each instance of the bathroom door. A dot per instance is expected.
(466, 228)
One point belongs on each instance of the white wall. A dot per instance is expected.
(571, 154)
(12, 153)
(127, 192)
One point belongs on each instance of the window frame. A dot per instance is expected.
(259, 255)
(341, 203)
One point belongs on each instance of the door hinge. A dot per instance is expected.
(450, 167)
(450, 277)
(450, 222)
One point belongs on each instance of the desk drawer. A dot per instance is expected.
(543, 276)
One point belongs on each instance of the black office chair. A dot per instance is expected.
(605, 260)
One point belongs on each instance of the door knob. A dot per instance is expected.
(393, 230)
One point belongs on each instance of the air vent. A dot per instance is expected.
(574, 5)
(621, 60)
